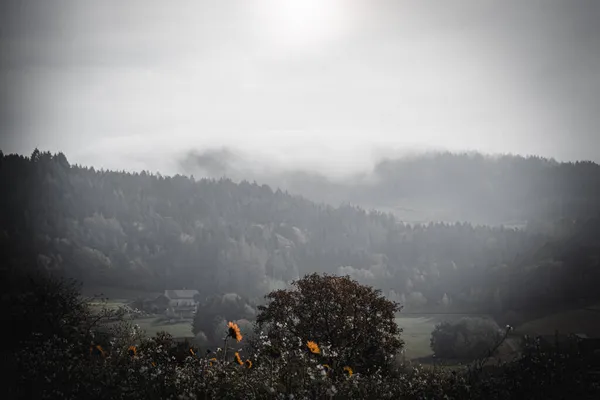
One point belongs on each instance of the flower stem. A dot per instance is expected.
(225, 349)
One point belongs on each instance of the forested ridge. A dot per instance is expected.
(152, 232)
(492, 190)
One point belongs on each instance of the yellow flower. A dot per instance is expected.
(192, 352)
(313, 347)
(234, 331)
(238, 359)
(211, 361)
(132, 350)
(326, 367)
(248, 364)
(348, 370)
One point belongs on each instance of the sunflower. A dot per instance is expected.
(132, 351)
(248, 364)
(234, 331)
(97, 349)
(348, 370)
(313, 347)
(238, 359)
(211, 361)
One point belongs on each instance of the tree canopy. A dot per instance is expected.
(354, 321)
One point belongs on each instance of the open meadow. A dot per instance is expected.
(114, 298)
(417, 330)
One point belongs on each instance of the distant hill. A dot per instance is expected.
(507, 189)
(490, 189)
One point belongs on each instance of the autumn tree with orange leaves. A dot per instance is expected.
(356, 322)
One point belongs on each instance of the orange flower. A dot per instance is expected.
(238, 359)
(132, 350)
(348, 370)
(248, 364)
(234, 331)
(192, 352)
(313, 347)
(327, 368)
(99, 349)
(211, 361)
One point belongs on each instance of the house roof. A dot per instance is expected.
(184, 308)
(181, 294)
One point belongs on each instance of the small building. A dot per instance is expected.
(182, 303)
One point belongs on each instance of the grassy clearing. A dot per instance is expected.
(181, 329)
(118, 297)
(417, 332)
(112, 305)
(151, 326)
(417, 335)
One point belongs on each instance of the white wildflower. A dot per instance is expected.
(331, 391)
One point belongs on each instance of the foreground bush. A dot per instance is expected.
(158, 370)
(75, 359)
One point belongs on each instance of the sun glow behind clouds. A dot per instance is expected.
(303, 23)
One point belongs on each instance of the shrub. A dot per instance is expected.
(467, 338)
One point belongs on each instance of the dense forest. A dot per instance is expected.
(152, 232)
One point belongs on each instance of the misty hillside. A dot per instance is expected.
(490, 189)
(152, 232)
(441, 186)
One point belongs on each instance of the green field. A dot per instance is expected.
(151, 326)
(118, 297)
(417, 332)
(417, 329)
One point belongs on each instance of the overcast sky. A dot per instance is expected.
(323, 83)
